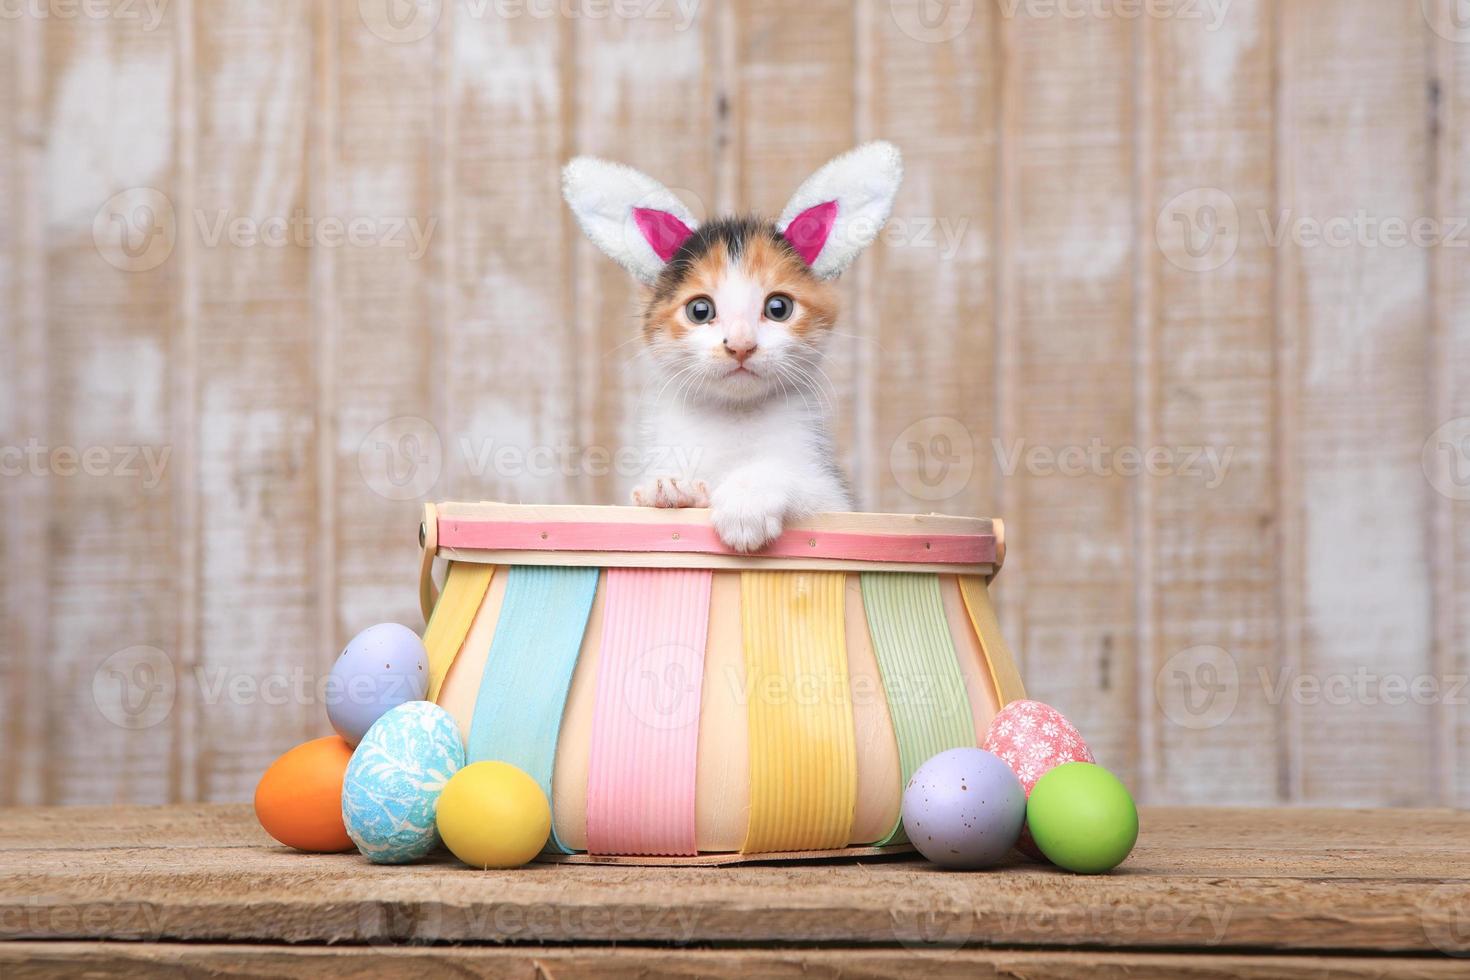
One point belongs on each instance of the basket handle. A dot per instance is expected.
(429, 544)
(998, 528)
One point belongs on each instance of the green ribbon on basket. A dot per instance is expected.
(921, 672)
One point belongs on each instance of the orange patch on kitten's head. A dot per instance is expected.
(754, 248)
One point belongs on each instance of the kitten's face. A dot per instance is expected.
(737, 316)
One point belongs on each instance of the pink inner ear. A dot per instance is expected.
(808, 231)
(664, 232)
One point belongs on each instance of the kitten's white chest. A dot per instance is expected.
(709, 445)
(775, 444)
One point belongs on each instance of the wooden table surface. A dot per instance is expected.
(1208, 892)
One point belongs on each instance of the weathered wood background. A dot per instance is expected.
(1087, 255)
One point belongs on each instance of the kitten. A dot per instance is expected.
(734, 325)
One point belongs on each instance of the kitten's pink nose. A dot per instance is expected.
(739, 349)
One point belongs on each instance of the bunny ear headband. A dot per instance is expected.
(640, 224)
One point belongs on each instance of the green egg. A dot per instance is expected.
(1082, 818)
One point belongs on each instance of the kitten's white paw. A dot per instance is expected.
(746, 519)
(671, 491)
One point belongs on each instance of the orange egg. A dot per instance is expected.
(299, 799)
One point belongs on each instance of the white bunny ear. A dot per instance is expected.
(839, 210)
(636, 220)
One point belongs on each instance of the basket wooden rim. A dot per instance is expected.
(646, 537)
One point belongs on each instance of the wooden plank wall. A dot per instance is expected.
(1103, 245)
(1450, 304)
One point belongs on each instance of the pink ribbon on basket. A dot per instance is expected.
(645, 722)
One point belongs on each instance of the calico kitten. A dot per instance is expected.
(736, 317)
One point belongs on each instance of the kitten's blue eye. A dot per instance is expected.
(779, 307)
(700, 309)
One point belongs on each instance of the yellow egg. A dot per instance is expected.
(493, 815)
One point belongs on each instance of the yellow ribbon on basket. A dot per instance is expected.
(1008, 684)
(803, 752)
(464, 590)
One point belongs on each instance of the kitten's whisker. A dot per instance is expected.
(825, 404)
(781, 377)
(830, 384)
(859, 338)
(676, 376)
(782, 373)
(829, 391)
(685, 387)
(658, 398)
(617, 347)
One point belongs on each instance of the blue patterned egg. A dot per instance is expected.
(393, 782)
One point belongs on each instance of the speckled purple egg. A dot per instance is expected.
(964, 808)
(379, 669)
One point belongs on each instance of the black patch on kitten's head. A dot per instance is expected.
(732, 231)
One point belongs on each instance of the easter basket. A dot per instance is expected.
(682, 703)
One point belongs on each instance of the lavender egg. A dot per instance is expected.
(379, 669)
(964, 808)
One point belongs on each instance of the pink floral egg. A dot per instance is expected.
(1034, 738)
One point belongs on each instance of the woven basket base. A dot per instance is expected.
(719, 860)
